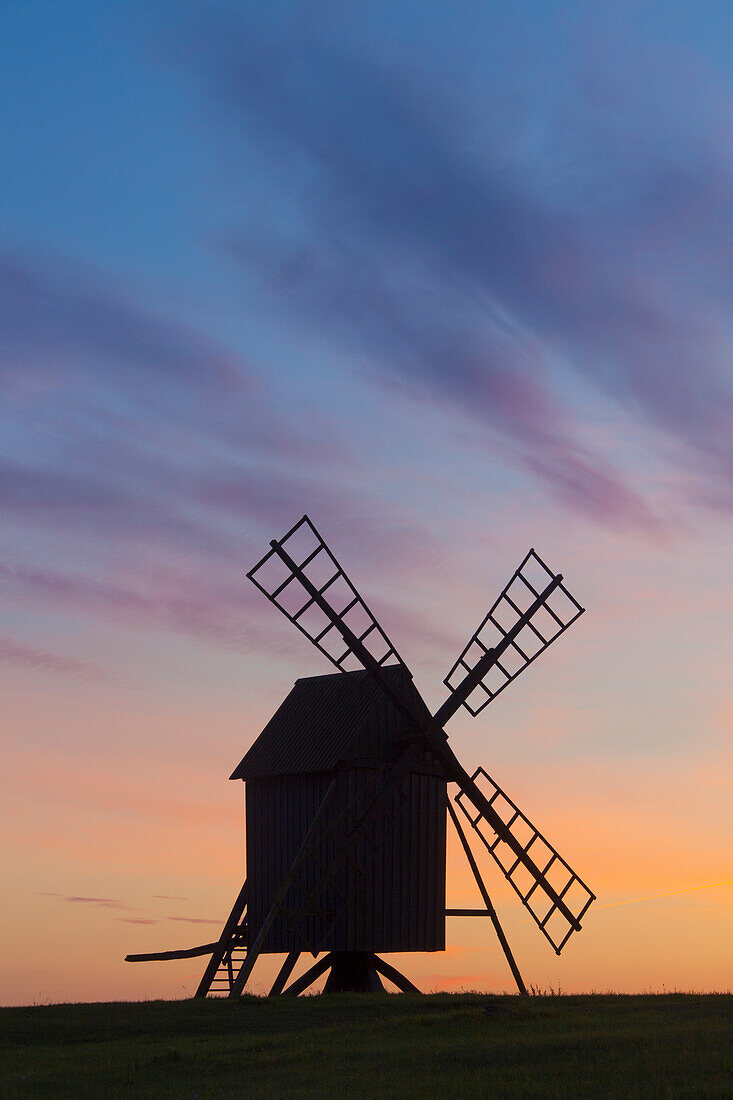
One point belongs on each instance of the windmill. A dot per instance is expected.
(347, 790)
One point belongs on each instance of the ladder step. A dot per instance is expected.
(221, 983)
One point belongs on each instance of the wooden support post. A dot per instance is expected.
(375, 985)
(285, 971)
(487, 902)
(393, 975)
(309, 977)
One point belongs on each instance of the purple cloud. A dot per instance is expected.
(24, 490)
(190, 477)
(467, 271)
(76, 347)
(195, 920)
(130, 395)
(216, 610)
(23, 656)
(60, 324)
(190, 510)
(217, 604)
(99, 903)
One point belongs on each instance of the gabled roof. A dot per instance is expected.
(326, 720)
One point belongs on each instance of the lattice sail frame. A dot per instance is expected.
(553, 924)
(276, 580)
(558, 610)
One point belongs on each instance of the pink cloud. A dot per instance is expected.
(195, 920)
(24, 656)
(99, 903)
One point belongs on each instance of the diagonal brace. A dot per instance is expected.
(487, 902)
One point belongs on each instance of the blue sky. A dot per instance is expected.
(453, 278)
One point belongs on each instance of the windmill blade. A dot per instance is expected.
(550, 890)
(302, 578)
(533, 609)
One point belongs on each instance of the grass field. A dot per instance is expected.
(373, 1045)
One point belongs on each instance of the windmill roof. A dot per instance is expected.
(326, 720)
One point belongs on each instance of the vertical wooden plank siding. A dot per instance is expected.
(394, 878)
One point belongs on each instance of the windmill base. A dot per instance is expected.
(353, 972)
(350, 972)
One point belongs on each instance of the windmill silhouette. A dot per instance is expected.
(347, 790)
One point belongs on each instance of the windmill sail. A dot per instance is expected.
(302, 578)
(533, 609)
(540, 889)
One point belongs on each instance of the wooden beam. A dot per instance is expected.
(487, 902)
(285, 972)
(457, 698)
(467, 913)
(162, 956)
(309, 977)
(393, 975)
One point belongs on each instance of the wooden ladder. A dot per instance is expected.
(222, 983)
(229, 954)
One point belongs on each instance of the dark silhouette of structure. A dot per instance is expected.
(346, 790)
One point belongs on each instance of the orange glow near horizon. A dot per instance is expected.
(109, 859)
(126, 835)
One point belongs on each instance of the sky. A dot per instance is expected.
(452, 278)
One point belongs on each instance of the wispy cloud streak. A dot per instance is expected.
(62, 326)
(472, 270)
(23, 656)
(124, 429)
(195, 920)
(99, 903)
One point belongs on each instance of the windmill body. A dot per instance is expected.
(389, 895)
(346, 790)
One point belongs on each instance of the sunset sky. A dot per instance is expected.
(456, 280)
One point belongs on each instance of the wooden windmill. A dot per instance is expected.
(346, 790)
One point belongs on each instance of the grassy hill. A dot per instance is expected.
(372, 1045)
